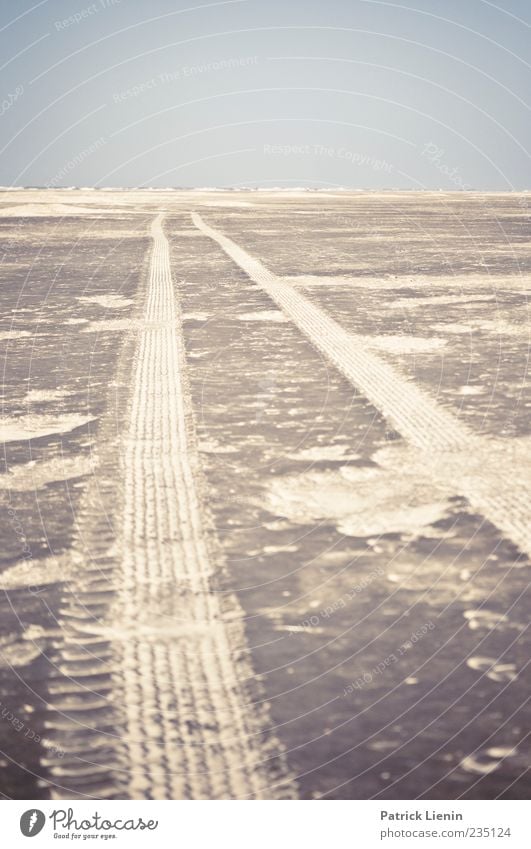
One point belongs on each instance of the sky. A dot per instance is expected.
(362, 94)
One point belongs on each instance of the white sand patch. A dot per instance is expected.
(482, 618)
(113, 302)
(112, 325)
(500, 327)
(115, 235)
(53, 210)
(321, 280)
(360, 502)
(485, 762)
(196, 316)
(212, 447)
(34, 475)
(496, 326)
(324, 452)
(35, 426)
(336, 558)
(405, 344)
(15, 651)
(12, 335)
(28, 573)
(264, 315)
(296, 629)
(36, 396)
(454, 328)
(485, 283)
(437, 300)
(502, 751)
(471, 390)
(494, 670)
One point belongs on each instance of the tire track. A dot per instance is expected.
(182, 720)
(489, 473)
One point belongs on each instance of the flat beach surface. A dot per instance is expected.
(266, 489)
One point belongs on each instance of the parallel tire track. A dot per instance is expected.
(181, 680)
(485, 471)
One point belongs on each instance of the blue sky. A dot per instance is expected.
(422, 95)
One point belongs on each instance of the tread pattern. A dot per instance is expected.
(185, 713)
